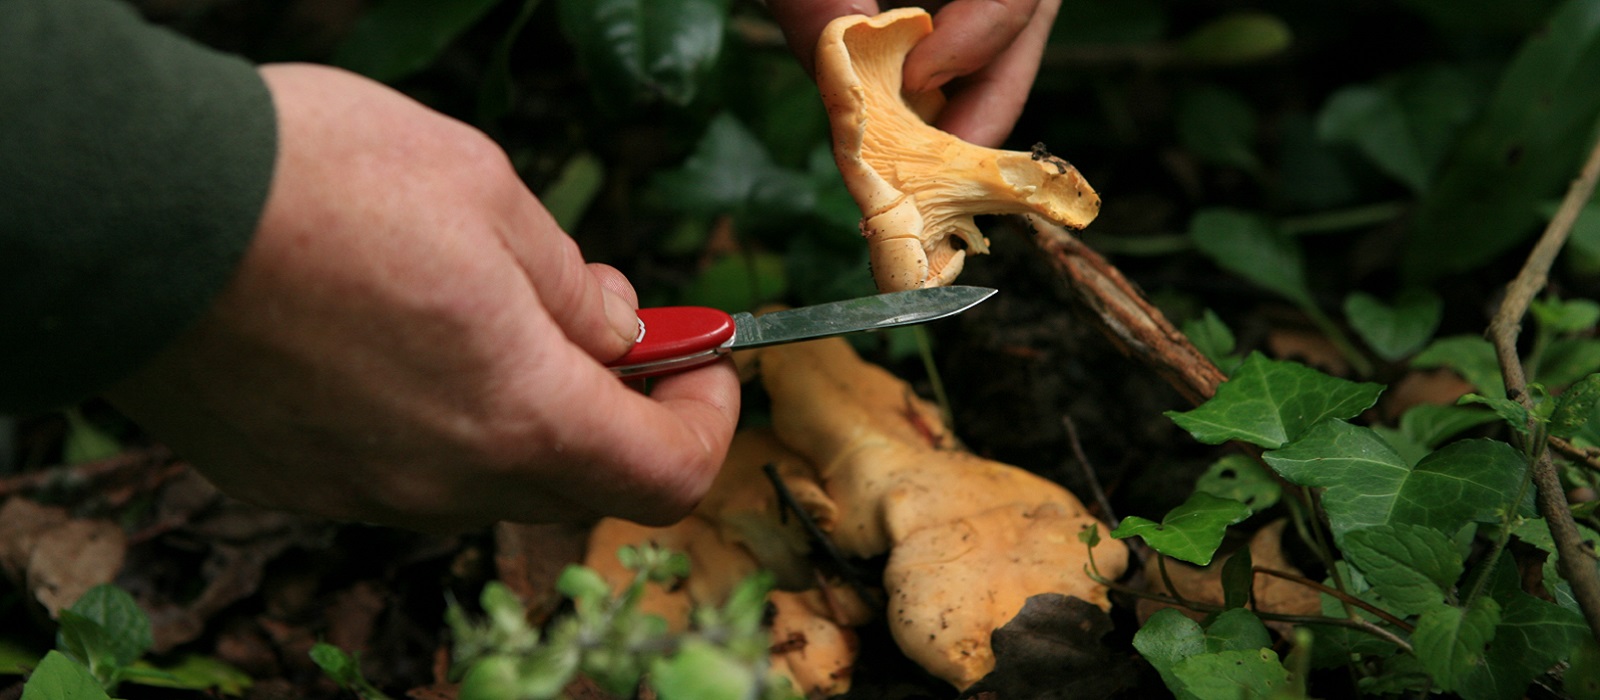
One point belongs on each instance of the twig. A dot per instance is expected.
(80, 474)
(1341, 595)
(1575, 567)
(1586, 458)
(1126, 317)
(1089, 474)
(787, 503)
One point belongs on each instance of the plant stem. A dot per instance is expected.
(1340, 340)
(1500, 540)
(925, 349)
(1341, 595)
(1343, 219)
(1575, 566)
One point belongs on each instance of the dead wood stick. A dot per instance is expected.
(1574, 561)
(1131, 321)
(78, 474)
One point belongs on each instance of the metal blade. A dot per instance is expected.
(854, 315)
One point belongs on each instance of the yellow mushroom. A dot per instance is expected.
(918, 187)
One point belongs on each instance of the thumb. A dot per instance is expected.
(593, 307)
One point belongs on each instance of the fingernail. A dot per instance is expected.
(624, 319)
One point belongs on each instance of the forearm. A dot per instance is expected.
(133, 170)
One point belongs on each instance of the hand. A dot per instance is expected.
(412, 340)
(986, 51)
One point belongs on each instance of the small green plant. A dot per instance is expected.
(1420, 594)
(608, 639)
(101, 644)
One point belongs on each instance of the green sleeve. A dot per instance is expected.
(134, 165)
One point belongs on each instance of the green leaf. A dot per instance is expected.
(574, 189)
(731, 172)
(1218, 126)
(60, 678)
(1536, 532)
(338, 664)
(1367, 483)
(1521, 150)
(397, 38)
(1513, 413)
(738, 282)
(1567, 360)
(1192, 531)
(85, 441)
(87, 643)
(1213, 339)
(1242, 479)
(1240, 37)
(1237, 629)
(1411, 567)
(1394, 331)
(1431, 424)
(1246, 245)
(1270, 403)
(192, 672)
(1470, 356)
(1559, 317)
(1406, 123)
(125, 626)
(1238, 579)
(639, 51)
(1582, 680)
(1246, 674)
(1451, 641)
(701, 671)
(17, 658)
(1575, 407)
(1166, 639)
(1533, 635)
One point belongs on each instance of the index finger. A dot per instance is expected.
(802, 22)
(967, 35)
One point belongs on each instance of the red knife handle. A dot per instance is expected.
(674, 338)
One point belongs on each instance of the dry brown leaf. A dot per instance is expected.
(1271, 594)
(56, 557)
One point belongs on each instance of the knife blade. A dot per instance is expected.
(676, 338)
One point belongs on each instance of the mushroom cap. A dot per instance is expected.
(918, 187)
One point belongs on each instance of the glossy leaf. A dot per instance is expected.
(1470, 356)
(1397, 330)
(1192, 531)
(1166, 639)
(1247, 245)
(1533, 635)
(1236, 630)
(1451, 641)
(397, 38)
(1521, 150)
(639, 51)
(1411, 567)
(730, 172)
(1233, 675)
(1367, 483)
(1242, 479)
(1240, 37)
(1271, 403)
(60, 678)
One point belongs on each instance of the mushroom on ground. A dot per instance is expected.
(918, 187)
(969, 539)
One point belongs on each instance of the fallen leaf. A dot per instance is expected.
(58, 558)
(529, 559)
(1271, 594)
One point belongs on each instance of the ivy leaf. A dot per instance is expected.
(1213, 339)
(126, 629)
(1411, 567)
(1239, 37)
(58, 677)
(1511, 412)
(1238, 579)
(1567, 360)
(1559, 317)
(1367, 483)
(1236, 630)
(1431, 424)
(1219, 126)
(731, 172)
(1405, 124)
(1167, 638)
(1451, 641)
(738, 282)
(638, 51)
(1522, 148)
(1582, 680)
(1242, 479)
(1575, 407)
(397, 38)
(1271, 403)
(1192, 531)
(1247, 245)
(1532, 636)
(1398, 330)
(1245, 674)
(1470, 356)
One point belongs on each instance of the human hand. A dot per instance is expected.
(412, 340)
(986, 51)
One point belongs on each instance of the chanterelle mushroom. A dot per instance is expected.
(919, 187)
